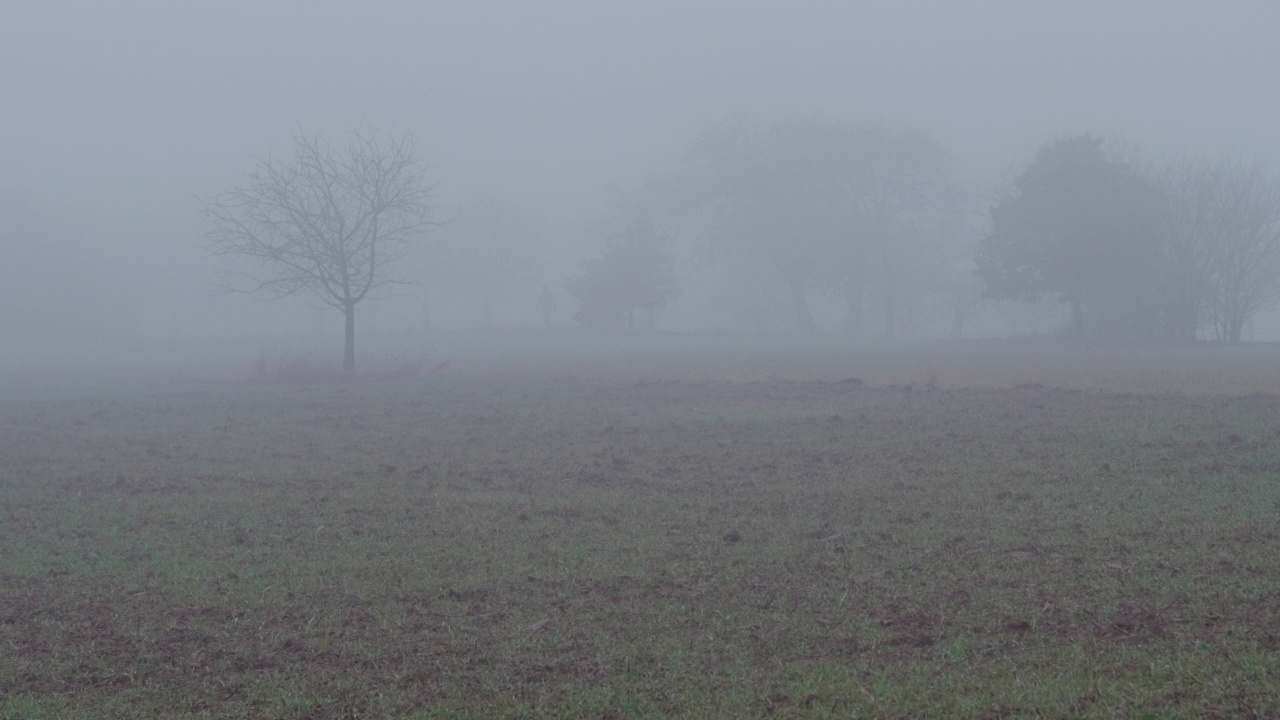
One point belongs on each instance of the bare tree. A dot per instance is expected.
(1220, 262)
(899, 184)
(1192, 232)
(1246, 277)
(772, 204)
(332, 221)
(841, 206)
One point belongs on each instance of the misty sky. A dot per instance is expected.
(150, 103)
(117, 116)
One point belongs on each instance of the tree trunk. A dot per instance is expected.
(890, 310)
(959, 314)
(1187, 320)
(853, 320)
(854, 292)
(1235, 328)
(800, 301)
(349, 347)
(890, 293)
(1077, 317)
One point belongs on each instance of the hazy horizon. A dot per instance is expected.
(119, 116)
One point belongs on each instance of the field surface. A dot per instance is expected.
(999, 536)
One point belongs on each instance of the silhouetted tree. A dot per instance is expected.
(636, 272)
(330, 221)
(546, 306)
(1078, 224)
(774, 201)
(823, 205)
(1222, 248)
(904, 198)
(1190, 237)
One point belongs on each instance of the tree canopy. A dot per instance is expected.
(1078, 224)
(635, 272)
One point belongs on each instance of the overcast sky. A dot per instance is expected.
(146, 104)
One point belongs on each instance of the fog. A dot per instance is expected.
(118, 118)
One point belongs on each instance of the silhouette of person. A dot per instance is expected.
(546, 305)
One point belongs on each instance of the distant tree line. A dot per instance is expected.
(635, 273)
(785, 212)
(1191, 251)
(865, 219)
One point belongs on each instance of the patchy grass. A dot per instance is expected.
(444, 545)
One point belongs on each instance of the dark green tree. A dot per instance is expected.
(635, 272)
(1079, 225)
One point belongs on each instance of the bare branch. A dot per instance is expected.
(332, 221)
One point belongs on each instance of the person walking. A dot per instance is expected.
(546, 306)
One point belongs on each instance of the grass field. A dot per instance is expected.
(971, 531)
